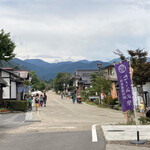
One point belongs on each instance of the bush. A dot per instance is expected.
(16, 105)
(110, 101)
(96, 101)
(144, 120)
(105, 101)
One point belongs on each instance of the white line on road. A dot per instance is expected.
(94, 133)
(63, 104)
(38, 128)
(29, 116)
(69, 108)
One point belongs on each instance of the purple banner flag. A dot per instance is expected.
(125, 90)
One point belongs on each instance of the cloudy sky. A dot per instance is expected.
(64, 30)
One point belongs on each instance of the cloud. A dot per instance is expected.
(59, 30)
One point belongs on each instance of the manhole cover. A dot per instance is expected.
(115, 130)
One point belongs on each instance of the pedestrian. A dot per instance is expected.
(62, 95)
(45, 99)
(66, 94)
(25, 97)
(141, 106)
(41, 100)
(30, 103)
(73, 98)
(148, 112)
(37, 102)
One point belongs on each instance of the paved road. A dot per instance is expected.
(60, 125)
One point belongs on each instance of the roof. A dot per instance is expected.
(11, 72)
(8, 68)
(22, 73)
(88, 70)
(110, 66)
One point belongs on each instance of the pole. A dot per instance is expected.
(138, 141)
(127, 116)
(99, 67)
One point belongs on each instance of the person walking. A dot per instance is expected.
(73, 98)
(62, 95)
(41, 100)
(141, 106)
(29, 103)
(37, 102)
(45, 99)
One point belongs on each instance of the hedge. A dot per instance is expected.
(16, 105)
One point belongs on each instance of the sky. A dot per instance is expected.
(72, 30)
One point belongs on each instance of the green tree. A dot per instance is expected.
(101, 85)
(141, 69)
(7, 46)
(62, 80)
(93, 77)
(35, 80)
(27, 82)
(42, 86)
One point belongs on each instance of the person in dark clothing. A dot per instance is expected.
(41, 100)
(148, 112)
(45, 99)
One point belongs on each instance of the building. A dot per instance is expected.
(110, 73)
(82, 79)
(13, 82)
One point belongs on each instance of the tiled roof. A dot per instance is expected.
(22, 74)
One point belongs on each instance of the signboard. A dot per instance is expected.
(125, 90)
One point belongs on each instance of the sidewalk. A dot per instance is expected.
(119, 136)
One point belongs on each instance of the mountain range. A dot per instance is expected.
(47, 71)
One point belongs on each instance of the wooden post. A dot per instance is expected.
(127, 116)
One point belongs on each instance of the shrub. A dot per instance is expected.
(111, 101)
(144, 120)
(105, 101)
(87, 101)
(16, 105)
(96, 101)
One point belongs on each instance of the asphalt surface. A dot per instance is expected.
(67, 126)
(12, 121)
(76, 140)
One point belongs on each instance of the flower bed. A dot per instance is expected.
(4, 110)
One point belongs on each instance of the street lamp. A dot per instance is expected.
(99, 67)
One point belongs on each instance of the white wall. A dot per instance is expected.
(6, 90)
(13, 90)
(137, 98)
(5, 74)
(146, 87)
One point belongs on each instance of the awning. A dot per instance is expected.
(3, 82)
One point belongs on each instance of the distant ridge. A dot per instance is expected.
(48, 71)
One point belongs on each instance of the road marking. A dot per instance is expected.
(94, 133)
(50, 128)
(63, 105)
(29, 116)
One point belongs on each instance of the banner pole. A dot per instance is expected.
(138, 141)
(127, 116)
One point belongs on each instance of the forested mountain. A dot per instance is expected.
(48, 71)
